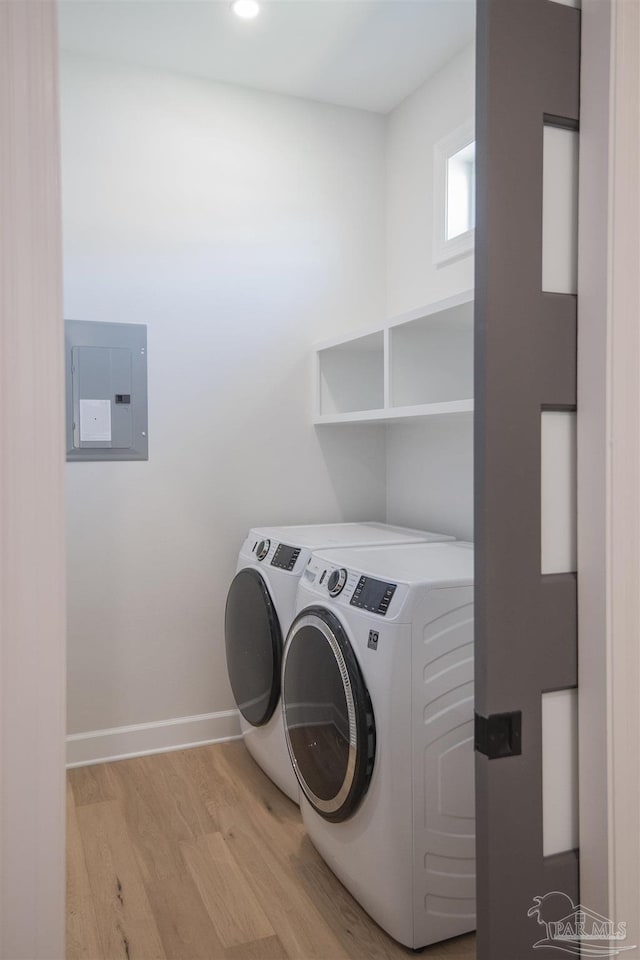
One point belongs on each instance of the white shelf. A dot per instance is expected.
(395, 414)
(351, 375)
(419, 364)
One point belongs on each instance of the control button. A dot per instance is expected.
(336, 581)
(324, 573)
(263, 549)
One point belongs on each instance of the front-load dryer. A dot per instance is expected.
(260, 607)
(377, 701)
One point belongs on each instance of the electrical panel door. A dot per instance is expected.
(106, 391)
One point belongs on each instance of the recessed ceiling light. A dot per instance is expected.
(246, 9)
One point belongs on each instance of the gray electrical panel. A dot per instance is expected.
(106, 402)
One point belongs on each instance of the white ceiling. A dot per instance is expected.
(359, 53)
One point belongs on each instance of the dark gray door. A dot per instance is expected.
(526, 630)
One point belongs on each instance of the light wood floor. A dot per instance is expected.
(195, 855)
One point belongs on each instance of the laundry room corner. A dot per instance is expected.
(226, 221)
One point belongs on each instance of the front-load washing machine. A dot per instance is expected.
(260, 607)
(377, 701)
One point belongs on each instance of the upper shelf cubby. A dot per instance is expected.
(419, 364)
(351, 375)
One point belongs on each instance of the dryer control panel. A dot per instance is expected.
(373, 595)
(285, 556)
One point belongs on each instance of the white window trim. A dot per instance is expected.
(444, 251)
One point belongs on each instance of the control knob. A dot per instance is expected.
(263, 549)
(336, 582)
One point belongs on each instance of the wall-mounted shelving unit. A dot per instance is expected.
(419, 364)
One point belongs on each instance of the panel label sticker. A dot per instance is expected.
(95, 421)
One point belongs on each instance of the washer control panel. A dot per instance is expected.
(285, 557)
(373, 595)
(352, 588)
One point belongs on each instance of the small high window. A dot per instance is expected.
(461, 191)
(455, 195)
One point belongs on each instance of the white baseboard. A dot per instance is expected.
(117, 743)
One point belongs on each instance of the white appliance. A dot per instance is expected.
(260, 607)
(377, 701)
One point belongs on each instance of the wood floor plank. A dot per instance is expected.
(196, 855)
(156, 849)
(184, 925)
(162, 809)
(293, 915)
(127, 926)
(268, 949)
(459, 948)
(234, 911)
(92, 784)
(83, 938)
(366, 939)
(235, 763)
(279, 838)
(362, 939)
(212, 782)
(176, 791)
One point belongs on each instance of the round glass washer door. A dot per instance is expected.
(254, 647)
(328, 718)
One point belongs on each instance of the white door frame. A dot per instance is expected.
(32, 581)
(32, 589)
(609, 462)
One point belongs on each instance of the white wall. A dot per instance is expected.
(240, 227)
(437, 108)
(430, 475)
(429, 465)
